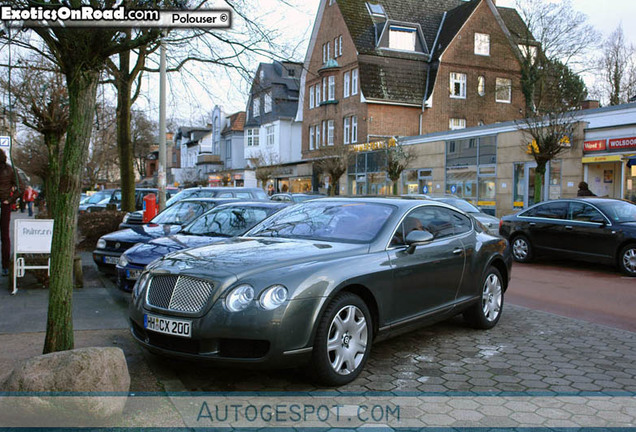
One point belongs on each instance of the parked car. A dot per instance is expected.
(115, 199)
(227, 220)
(319, 282)
(594, 229)
(490, 222)
(219, 192)
(294, 197)
(170, 221)
(95, 199)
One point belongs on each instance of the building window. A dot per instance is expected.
(228, 149)
(330, 132)
(354, 82)
(331, 2)
(481, 85)
(324, 53)
(267, 102)
(311, 137)
(456, 123)
(324, 133)
(347, 129)
(311, 97)
(347, 84)
(318, 96)
(335, 48)
(482, 44)
(503, 91)
(252, 137)
(339, 45)
(376, 9)
(354, 129)
(458, 85)
(402, 38)
(256, 107)
(270, 135)
(332, 88)
(317, 136)
(528, 52)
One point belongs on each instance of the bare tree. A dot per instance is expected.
(334, 162)
(398, 159)
(143, 137)
(103, 162)
(618, 68)
(265, 166)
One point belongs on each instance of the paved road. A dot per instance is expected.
(591, 292)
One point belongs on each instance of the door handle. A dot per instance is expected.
(458, 251)
(569, 227)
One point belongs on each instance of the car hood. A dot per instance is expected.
(142, 233)
(143, 254)
(245, 256)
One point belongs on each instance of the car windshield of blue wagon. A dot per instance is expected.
(328, 221)
(227, 221)
(619, 211)
(181, 213)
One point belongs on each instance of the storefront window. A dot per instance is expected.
(471, 170)
(300, 184)
(630, 181)
(519, 180)
(368, 175)
(555, 179)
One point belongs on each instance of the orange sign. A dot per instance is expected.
(598, 145)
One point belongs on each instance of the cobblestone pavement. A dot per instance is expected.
(528, 351)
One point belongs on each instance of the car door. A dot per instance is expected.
(429, 278)
(588, 233)
(545, 224)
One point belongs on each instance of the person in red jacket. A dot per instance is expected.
(9, 182)
(29, 197)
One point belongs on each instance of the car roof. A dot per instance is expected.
(403, 204)
(227, 188)
(257, 203)
(212, 200)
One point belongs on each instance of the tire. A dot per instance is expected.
(348, 325)
(627, 260)
(521, 249)
(485, 313)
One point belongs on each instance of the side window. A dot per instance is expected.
(116, 197)
(244, 195)
(440, 222)
(461, 223)
(555, 210)
(225, 195)
(581, 212)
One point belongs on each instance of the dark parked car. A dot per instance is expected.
(95, 199)
(170, 221)
(115, 199)
(219, 192)
(294, 197)
(227, 220)
(594, 229)
(320, 281)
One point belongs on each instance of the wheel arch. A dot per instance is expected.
(617, 257)
(498, 263)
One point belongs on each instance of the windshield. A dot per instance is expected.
(97, 197)
(181, 213)
(181, 196)
(228, 221)
(618, 211)
(327, 221)
(460, 204)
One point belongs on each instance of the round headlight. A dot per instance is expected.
(239, 298)
(123, 261)
(101, 244)
(273, 297)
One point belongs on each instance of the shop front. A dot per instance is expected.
(609, 167)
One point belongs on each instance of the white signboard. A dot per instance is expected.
(33, 236)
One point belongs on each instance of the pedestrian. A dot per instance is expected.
(270, 189)
(584, 190)
(29, 197)
(10, 187)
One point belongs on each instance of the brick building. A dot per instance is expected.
(387, 68)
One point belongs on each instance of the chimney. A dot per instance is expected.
(590, 104)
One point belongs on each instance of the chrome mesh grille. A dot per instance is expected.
(179, 293)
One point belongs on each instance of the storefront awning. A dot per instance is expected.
(599, 159)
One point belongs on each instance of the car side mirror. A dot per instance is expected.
(417, 238)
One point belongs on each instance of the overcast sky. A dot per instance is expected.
(193, 98)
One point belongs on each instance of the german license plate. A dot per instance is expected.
(133, 274)
(111, 260)
(168, 326)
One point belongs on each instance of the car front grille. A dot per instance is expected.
(118, 246)
(179, 293)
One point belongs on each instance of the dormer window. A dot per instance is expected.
(402, 38)
(482, 44)
(376, 10)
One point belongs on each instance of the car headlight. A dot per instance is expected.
(101, 244)
(123, 261)
(273, 297)
(239, 298)
(140, 285)
(126, 218)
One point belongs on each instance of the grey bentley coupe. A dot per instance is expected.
(319, 282)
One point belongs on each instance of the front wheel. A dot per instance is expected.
(627, 260)
(521, 249)
(343, 340)
(485, 313)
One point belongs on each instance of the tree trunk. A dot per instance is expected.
(124, 142)
(52, 178)
(539, 174)
(394, 187)
(82, 93)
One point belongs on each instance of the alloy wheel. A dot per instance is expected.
(520, 249)
(629, 260)
(347, 340)
(492, 296)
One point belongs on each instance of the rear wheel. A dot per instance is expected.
(521, 249)
(627, 260)
(343, 341)
(485, 313)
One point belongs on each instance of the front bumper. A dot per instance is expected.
(106, 260)
(127, 276)
(254, 337)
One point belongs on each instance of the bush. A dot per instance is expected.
(93, 225)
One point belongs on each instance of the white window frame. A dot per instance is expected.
(481, 85)
(328, 51)
(267, 103)
(482, 44)
(271, 133)
(402, 38)
(503, 83)
(253, 137)
(332, 87)
(347, 130)
(457, 78)
(318, 95)
(256, 107)
(330, 132)
(335, 48)
(354, 129)
(317, 135)
(324, 133)
(347, 84)
(311, 137)
(311, 97)
(456, 124)
(340, 46)
(354, 82)
(324, 89)
(324, 53)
